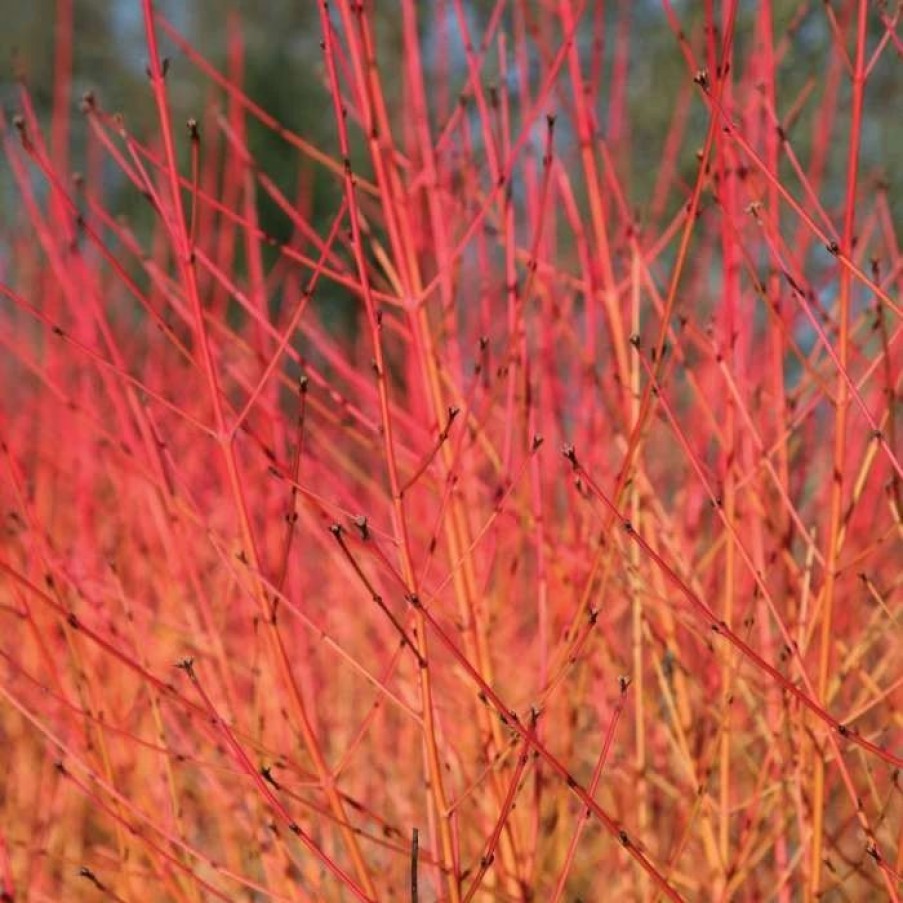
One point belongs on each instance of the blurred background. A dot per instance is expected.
(283, 72)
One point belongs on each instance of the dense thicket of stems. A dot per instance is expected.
(516, 497)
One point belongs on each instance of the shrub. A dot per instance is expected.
(513, 512)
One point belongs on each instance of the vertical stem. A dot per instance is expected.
(842, 402)
(637, 615)
(446, 851)
(728, 198)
